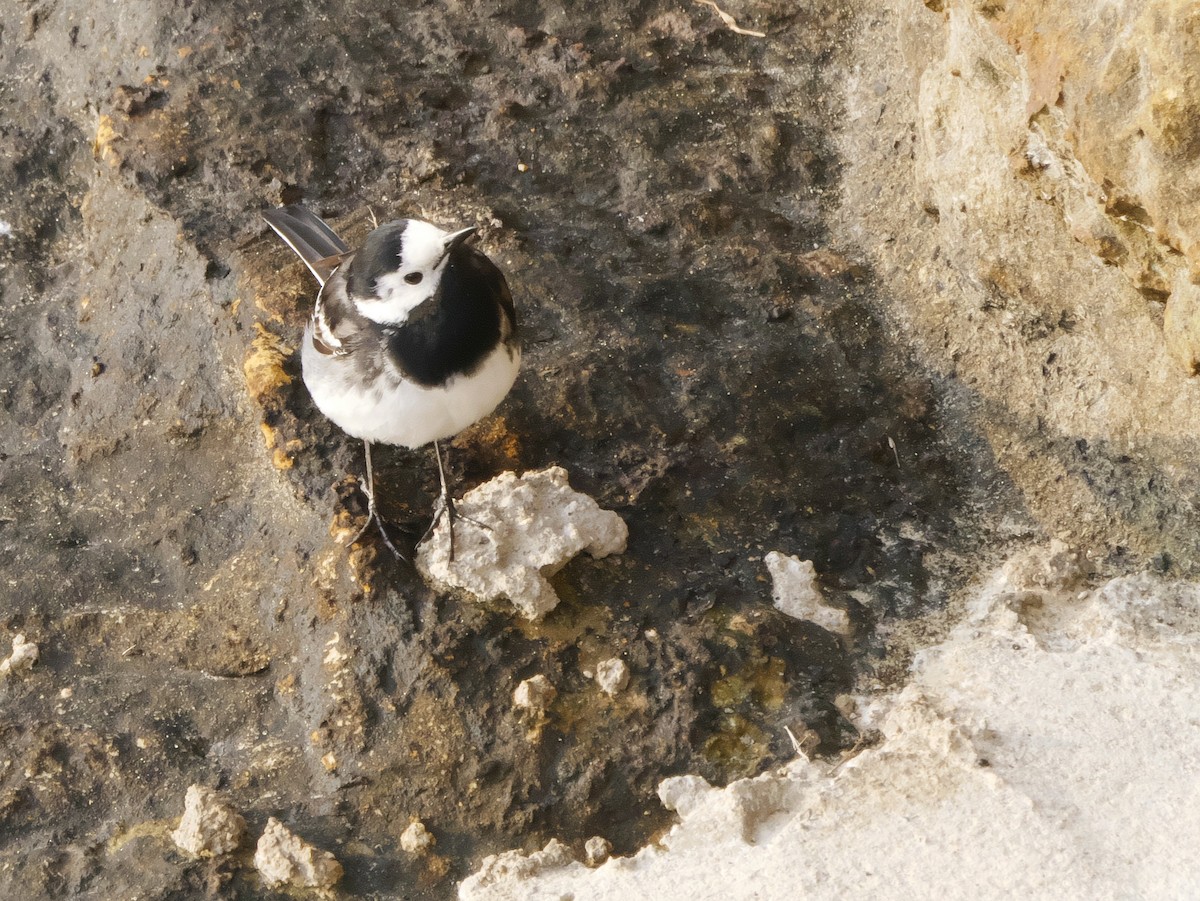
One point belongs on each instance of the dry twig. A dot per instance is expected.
(731, 22)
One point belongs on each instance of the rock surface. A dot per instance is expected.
(864, 289)
(514, 534)
(1017, 174)
(499, 871)
(210, 825)
(659, 191)
(596, 850)
(283, 858)
(995, 775)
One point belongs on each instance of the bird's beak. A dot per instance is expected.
(454, 239)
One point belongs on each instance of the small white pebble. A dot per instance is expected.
(416, 839)
(612, 675)
(24, 656)
(534, 694)
(597, 849)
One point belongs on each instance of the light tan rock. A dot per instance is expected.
(535, 694)
(596, 850)
(283, 858)
(416, 839)
(1125, 78)
(503, 869)
(210, 825)
(24, 656)
(1020, 178)
(1181, 325)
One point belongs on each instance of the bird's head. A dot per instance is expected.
(399, 267)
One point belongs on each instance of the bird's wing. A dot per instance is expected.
(337, 326)
(310, 237)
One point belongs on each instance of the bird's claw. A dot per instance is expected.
(373, 516)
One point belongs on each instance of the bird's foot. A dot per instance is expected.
(445, 507)
(374, 517)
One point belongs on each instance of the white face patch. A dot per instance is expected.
(416, 278)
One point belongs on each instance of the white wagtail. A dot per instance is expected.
(413, 336)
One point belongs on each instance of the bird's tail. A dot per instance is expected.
(310, 237)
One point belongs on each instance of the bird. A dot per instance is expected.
(413, 337)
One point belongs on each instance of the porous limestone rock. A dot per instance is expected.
(796, 593)
(210, 826)
(24, 656)
(514, 533)
(612, 675)
(416, 839)
(283, 858)
(1123, 82)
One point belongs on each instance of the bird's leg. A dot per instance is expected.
(445, 505)
(445, 501)
(372, 510)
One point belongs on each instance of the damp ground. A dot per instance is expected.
(698, 357)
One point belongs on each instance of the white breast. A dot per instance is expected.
(396, 411)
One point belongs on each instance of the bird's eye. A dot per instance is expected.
(413, 278)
